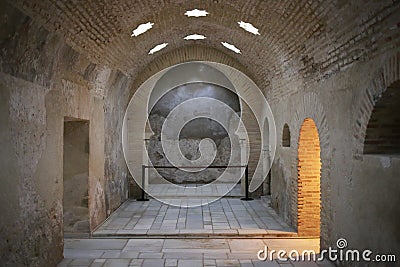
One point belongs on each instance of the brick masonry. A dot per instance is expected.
(309, 189)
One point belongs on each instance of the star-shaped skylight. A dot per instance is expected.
(158, 48)
(196, 13)
(142, 28)
(248, 27)
(231, 47)
(195, 37)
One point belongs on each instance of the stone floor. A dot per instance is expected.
(228, 232)
(193, 191)
(225, 217)
(181, 252)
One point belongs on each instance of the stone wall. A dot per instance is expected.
(190, 149)
(116, 172)
(42, 81)
(193, 132)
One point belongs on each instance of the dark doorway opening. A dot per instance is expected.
(75, 177)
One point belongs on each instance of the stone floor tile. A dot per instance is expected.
(183, 256)
(225, 263)
(171, 262)
(82, 253)
(243, 256)
(209, 263)
(136, 262)
(246, 264)
(144, 245)
(287, 262)
(81, 262)
(216, 255)
(190, 263)
(150, 255)
(98, 263)
(111, 254)
(117, 263)
(90, 244)
(129, 255)
(153, 263)
(195, 244)
(246, 245)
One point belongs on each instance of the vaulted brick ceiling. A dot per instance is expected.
(299, 39)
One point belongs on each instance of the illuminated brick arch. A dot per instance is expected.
(312, 108)
(309, 176)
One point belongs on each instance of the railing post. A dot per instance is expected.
(246, 181)
(143, 198)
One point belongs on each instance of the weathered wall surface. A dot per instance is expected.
(42, 81)
(359, 193)
(116, 172)
(190, 149)
(194, 131)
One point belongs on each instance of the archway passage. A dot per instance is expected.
(309, 174)
(286, 136)
(383, 130)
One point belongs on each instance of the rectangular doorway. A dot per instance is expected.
(75, 177)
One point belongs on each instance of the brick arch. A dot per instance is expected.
(309, 176)
(194, 53)
(387, 74)
(311, 108)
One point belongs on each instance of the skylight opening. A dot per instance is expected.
(248, 27)
(196, 13)
(142, 28)
(231, 47)
(195, 37)
(158, 48)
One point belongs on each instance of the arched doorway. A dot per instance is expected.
(286, 136)
(309, 176)
(382, 133)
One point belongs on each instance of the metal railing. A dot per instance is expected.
(246, 176)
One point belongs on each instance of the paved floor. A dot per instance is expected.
(228, 232)
(181, 252)
(227, 216)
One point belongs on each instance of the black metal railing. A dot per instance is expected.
(246, 176)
